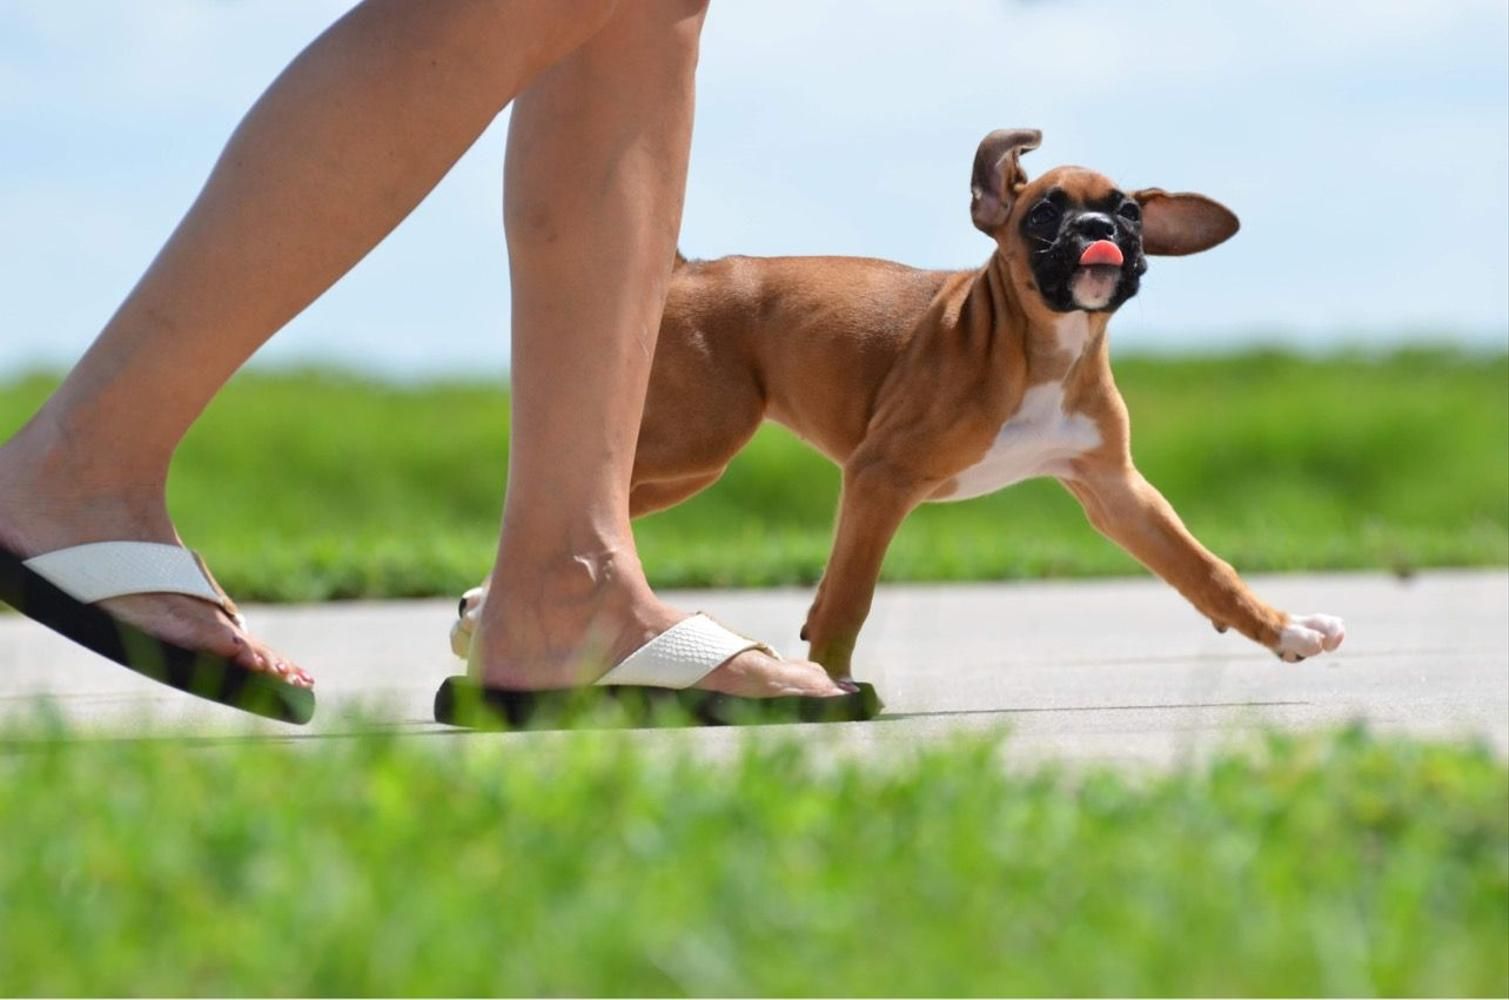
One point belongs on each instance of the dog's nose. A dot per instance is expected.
(1096, 226)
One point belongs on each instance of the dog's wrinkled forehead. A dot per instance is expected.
(1077, 186)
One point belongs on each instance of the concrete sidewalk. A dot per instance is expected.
(1118, 670)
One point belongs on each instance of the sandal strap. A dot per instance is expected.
(681, 655)
(99, 571)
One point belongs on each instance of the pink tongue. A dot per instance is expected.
(1101, 252)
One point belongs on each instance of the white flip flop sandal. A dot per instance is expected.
(61, 590)
(655, 677)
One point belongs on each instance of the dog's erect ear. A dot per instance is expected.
(1177, 224)
(998, 175)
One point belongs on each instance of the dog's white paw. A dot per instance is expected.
(466, 620)
(1309, 635)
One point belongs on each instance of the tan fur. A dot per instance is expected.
(902, 377)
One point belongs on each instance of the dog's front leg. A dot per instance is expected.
(1125, 507)
(877, 496)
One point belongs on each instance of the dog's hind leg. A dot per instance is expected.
(697, 416)
(647, 498)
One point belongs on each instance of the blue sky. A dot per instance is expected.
(1364, 144)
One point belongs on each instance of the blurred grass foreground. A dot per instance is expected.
(605, 865)
(312, 486)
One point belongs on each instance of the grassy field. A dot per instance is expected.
(313, 486)
(1336, 865)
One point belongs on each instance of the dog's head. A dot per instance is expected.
(1073, 236)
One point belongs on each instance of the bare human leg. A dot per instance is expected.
(597, 163)
(342, 146)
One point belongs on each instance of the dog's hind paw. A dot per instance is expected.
(1309, 635)
(466, 620)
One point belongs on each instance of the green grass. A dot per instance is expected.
(601, 864)
(315, 486)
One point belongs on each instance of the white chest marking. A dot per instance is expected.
(1073, 330)
(1039, 439)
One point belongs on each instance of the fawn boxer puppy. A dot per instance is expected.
(932, 386)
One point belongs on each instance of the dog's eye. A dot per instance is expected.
(1130, 212)
(1043, 214)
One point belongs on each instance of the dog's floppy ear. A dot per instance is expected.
(997, 175)
(1178, 224)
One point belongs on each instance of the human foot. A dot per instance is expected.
(37, 516)
(572, 643)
